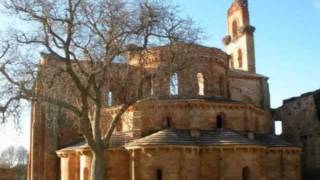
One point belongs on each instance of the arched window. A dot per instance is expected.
(109, 98)
(151, 86)
(119, 59)
(219, 121)
(159, 174)
(200, 84)
(167, 122)
(174, 85)
(234, 29)
(240, 58)
(278, 127)
(246, 175)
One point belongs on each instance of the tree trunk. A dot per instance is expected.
(98, 165)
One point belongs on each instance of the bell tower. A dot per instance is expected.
(239, 43)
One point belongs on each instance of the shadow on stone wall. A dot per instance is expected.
(313, 174)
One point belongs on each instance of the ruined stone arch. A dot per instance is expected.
(174, 84)
(201, 83)
(109, 98)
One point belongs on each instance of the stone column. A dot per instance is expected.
(85, 164)
(133, 165)
(64, 165)
(36, 165)
(221, 169)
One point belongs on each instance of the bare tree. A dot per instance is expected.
(22, 159)
(9, 156)
(85, 38)
(16, 157)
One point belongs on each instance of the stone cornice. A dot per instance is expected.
(84, 152)
(250, 77)
(221, 148)
(284, 149)
(193, 103)
(160, 104)
(247, 29)
(195, 148)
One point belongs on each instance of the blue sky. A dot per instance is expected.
(287, 46)
(287, 40)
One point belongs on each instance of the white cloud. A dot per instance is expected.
(316, 4)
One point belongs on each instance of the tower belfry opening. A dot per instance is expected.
(240, 35)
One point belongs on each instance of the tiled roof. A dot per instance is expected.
(183, 137)
(272, 140)
(115, 141)
(180, 137)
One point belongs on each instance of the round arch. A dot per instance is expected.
(220, 120)
(159, 174)
(234, 28)
(201, 84)
(246, 174)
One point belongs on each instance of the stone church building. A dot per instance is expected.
(214, 125)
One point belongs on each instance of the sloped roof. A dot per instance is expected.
(183, 137)
(241, 73)
(217, 137)
(116, 140)
(270, 140)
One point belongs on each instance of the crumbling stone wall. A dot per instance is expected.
(301, 126)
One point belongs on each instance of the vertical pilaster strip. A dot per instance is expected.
(221, 169)
(283, 177)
